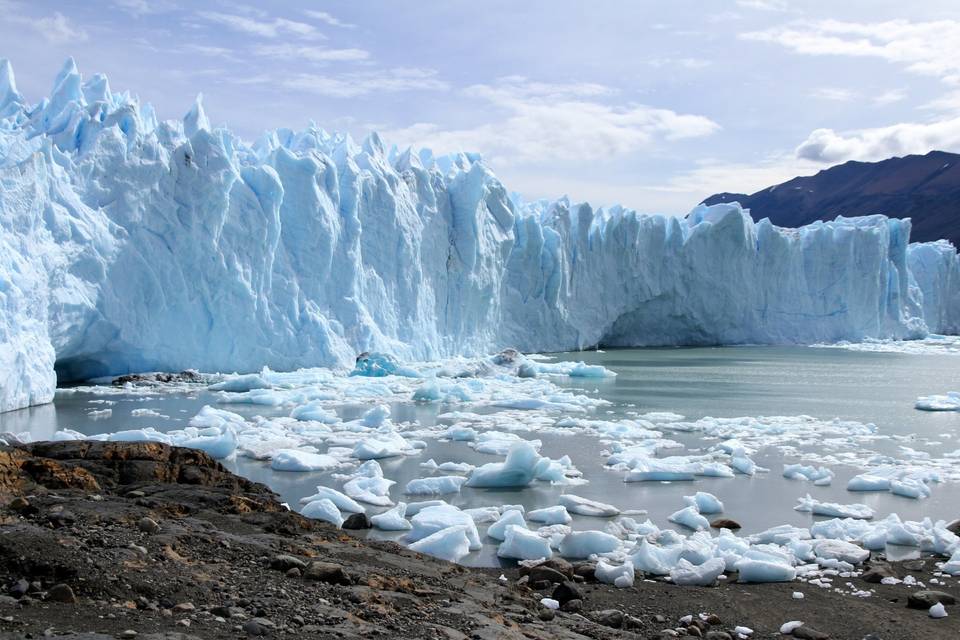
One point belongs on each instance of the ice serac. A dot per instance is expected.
(129, 244)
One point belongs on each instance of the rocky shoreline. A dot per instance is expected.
(143, 540)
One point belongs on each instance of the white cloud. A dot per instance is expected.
(684, 63)
(351, 85)
(542, 121)
(261, 27)
(763, 5)
(311, 53)
(890, 97)
(326, 18)
(925, 48)
(835, 94)
(928, 48)
(139, 8)
(715, 176)
(208, 50)
(826, 145)
(57, 29)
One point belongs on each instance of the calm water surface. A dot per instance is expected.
(721, 382)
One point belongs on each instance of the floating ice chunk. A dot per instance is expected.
(948, 402)
(518, 470)
(582, 544)
(370, 489)
(392, 520)
(460, 434)
(820, 476)
(382, 445)
(582, 370)
(743, 464)
(100, 414)
(341, 500)
(938, 611)
(213, 431)
(705, 502)
(375, 416)
(446, 392)
(450, 543)
(753, 570)
(797, 595)
(294, 460)
(497, 530)
(378, 365)
(239, 384)
(432, 519)
(522, 544)
(483, 515)
(323, 509)
(572, 369)
(833, 509)
(550, 603)
(450, 467)
(621, 576)
(147, 413)
(585, 507)
(657, 470)
(781, 534)
(868, 482)
(314, 411)
(788, 628)
(704, 575)
(413, 508)
(136, 435)
(654, 559)
(438, 485)
(550, 515)
(910, 488)
(689, 517)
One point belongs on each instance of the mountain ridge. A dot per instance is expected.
(924, 188)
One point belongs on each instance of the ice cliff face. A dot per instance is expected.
(130, 244)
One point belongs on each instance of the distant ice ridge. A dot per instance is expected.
(130, 244)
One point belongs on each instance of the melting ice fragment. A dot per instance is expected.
(393, 519)
(833, 509)
(586, 507)
(522, 544)
(518, 470)
(323, 509)
(295, 460)
(451, 543)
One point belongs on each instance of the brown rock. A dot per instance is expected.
(327, 572)
(566, 591)
(878, 571)
(61, 593)
(725, 523)
(357, 521)
(545, 574)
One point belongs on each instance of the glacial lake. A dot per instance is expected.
(728, 382)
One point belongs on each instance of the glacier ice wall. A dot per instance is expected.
(130, 244)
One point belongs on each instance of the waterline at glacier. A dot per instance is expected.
(130, 244)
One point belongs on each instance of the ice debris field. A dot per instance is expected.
(132, 244)
(501, 407)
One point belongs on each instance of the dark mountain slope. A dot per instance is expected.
(924, 188)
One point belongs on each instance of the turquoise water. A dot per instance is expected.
(720, 382)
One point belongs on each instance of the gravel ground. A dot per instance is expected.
(141, 540)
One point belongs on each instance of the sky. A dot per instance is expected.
(653, 105)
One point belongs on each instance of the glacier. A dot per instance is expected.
(131, 244)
